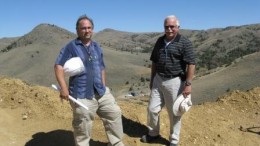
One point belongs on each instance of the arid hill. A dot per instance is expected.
(4, 42)
(242, 74)
(35, 116)
(31, 58)
(215, 47)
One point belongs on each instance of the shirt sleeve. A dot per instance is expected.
(189, 53)
(155, 53)
(63, 56)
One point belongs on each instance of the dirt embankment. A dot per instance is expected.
(34, 116)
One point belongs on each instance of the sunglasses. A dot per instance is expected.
(170, 26)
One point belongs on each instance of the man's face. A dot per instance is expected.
(170, 28)
(85, 29)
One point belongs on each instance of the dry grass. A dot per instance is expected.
(33, 59)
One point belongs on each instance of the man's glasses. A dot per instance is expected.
(170, 26)
(85, 28)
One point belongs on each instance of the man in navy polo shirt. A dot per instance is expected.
(89, 87)
(173, 65)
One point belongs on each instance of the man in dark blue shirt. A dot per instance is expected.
(88, 87)
(173, 65)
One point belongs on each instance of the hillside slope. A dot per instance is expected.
(34, 116)
(4, 42)
(214, 47)
(243, 75)
(31, 58)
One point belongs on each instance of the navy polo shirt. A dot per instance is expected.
(87, 83)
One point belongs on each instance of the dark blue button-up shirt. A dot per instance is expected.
(87, 83)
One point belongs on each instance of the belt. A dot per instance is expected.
(168, 76)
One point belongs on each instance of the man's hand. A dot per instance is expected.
(186, 91)
(64, 94)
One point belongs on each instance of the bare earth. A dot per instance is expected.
(34, 116)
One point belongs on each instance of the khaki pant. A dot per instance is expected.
(109, 112)
(164, 92)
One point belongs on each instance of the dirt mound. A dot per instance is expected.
(34, 101)
(35, 116)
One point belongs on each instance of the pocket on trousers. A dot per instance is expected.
(107, 90)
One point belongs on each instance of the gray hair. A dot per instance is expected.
(84, 17)
(172, 17)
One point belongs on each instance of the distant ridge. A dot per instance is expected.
(42, 34)
(4, 42)
(32, 56)
(214, 47)
(127, 41)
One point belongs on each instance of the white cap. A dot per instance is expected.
(73, 66)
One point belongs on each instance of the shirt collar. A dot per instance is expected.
(79, 42)
(176, 39)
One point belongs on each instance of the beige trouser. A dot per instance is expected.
(164, 92)
(109, 112)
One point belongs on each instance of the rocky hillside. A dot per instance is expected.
(31, 58)
(4, 42)
(214, 47)
(127, 41)
(34, 116)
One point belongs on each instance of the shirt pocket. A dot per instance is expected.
(175, 53)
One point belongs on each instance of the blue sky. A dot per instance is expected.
(19, 17)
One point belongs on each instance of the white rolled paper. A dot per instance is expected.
(70, 97)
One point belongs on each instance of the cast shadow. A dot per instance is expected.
(253, 130)
(65, 138)
(57, 138)
(136, 129)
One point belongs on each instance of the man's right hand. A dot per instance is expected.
(64, 94)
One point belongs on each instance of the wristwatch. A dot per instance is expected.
(187, 83)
